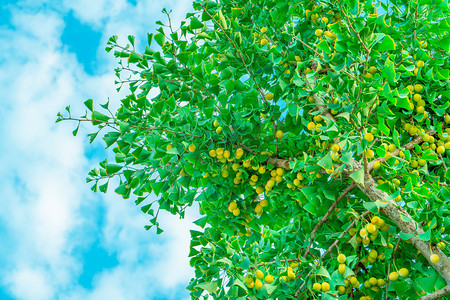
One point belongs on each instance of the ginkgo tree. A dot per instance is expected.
(314, 135)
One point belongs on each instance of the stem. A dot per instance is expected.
(331, 248)
(325, 217)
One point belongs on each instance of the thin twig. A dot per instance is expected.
(325, 217)
(331, 248)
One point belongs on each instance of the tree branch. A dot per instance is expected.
(438, 294)
(325, 217)
(331, 248)
(397, 214)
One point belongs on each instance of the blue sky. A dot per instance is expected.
(60, 240)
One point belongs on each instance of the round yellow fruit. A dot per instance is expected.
(341, 269)
(258, 284)
(447, 119)
(368, 137)
(335, 148)
(420, 64)
(341, 258)
(236, 212)
(248, 279)
(264, 42)
(279, 134)
(269, 279)
(317, 286)
(440, 149)
(216, 123)
(232, 206)
(372, 69)
(363, 232)
(418, 88)
(330, 35)
(192, 147)
(403, 272)
(311, 126)
(318, 32)
(381, 282)
(371, 228)
(375, 220)
(259, 274)
(376, 165)
(434, 258)
(417, 97)
(370, 153)
(170, 146)
(219, 130)
(325, 286)
(268, 96)
(264, 29)
(393, 276)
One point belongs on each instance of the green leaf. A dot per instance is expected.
(387, 44)
(371, 206)
(324, 46)
(89, 104)
(358, 176)
(112, 168)
(201, 222)
(444, 43)
(425, 236)
(323, 272)
(195, 24)
(173, 151)
(98, 118)
(426, 283)
(326, 162)
(159, 38)
(347, 158)
(76, 129)
(134, 57)
(124, 127)
(406, 236)
(245, 264)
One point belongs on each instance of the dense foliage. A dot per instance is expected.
(313, 134)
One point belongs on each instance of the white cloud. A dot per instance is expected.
(47, 207)
(30, 284)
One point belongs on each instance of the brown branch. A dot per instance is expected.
(397, 214)
(325, 217)
(331, 248)
(438, 294)
(306, 45)
(408, 146)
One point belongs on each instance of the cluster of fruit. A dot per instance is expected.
(286, 274)
(258, 282)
